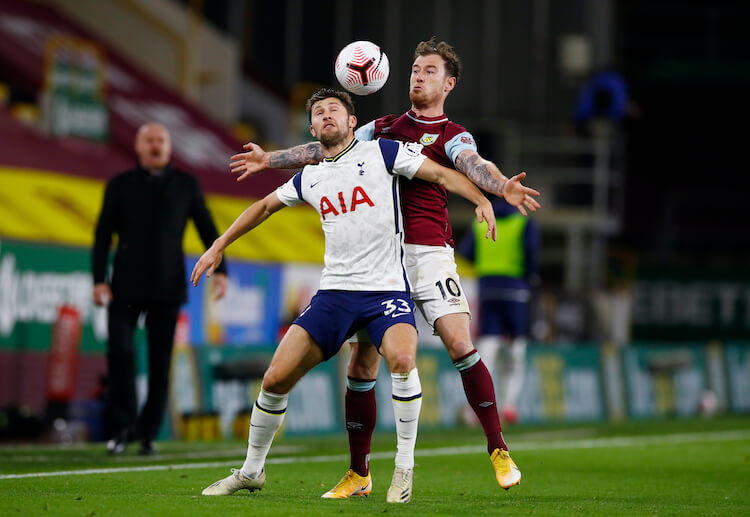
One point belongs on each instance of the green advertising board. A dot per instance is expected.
(663, 380)
(35, 280)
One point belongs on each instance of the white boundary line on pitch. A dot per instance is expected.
(593, 443)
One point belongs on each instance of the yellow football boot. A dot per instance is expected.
(351, 484)
(506, 471)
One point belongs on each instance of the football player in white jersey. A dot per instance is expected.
(430, 262)
(363, 284)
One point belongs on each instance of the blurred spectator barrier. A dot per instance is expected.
(218, 381)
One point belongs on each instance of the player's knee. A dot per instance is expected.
(362, 371)
(401, 362)
(364, 361)
(274, 383)
(458, 347)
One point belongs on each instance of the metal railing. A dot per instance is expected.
(582, 185)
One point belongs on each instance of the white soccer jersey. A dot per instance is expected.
(357, 196)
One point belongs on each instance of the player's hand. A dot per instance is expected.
(486, 214)
(208, 263)
(519, 195)
(220, 286)
(102, 294)
(253, 161)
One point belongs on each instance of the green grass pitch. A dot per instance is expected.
(673, 467)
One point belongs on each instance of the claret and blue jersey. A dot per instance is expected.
(425, 204)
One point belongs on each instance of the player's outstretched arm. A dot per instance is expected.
(253, 216)
(459, 184)
(256, 160)
(487, 176)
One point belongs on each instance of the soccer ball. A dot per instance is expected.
(362, 67)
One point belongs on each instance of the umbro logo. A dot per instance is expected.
(486, 404)
(353, 425)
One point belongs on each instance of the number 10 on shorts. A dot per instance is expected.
(396, 310)
(451, 285)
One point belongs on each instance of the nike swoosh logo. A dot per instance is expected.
(313, 184)
(253, 425)
(406, 421)
(396, 315)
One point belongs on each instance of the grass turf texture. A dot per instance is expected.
(592, 470)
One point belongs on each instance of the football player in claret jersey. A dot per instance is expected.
(430, 262)
(363, 284)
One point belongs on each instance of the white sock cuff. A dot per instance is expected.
(406, 386)
(273, 403)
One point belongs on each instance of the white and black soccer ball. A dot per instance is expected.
(362, 67)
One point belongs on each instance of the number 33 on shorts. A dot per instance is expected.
(396, 307)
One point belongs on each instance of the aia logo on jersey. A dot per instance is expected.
(358, 197)
(429, 138)
(467, 140)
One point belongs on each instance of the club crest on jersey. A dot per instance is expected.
(361, 169)
(428, 138)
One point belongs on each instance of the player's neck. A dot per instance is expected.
(434, 110)
(333, 150)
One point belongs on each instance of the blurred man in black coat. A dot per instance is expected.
(148, 208)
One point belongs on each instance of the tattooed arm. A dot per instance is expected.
(481, 172)
(487, 176)
(256, 160)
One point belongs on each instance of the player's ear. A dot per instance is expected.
(312, 131)
(352, 121)
(450, 84)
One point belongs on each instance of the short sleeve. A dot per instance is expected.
(458, 143)
(366, 132)
(290, 193)
(408, 159)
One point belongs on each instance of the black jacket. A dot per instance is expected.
(149, 213)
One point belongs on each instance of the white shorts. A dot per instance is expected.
(435, 286)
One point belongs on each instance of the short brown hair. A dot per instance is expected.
(444, 50)
(326, 93)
